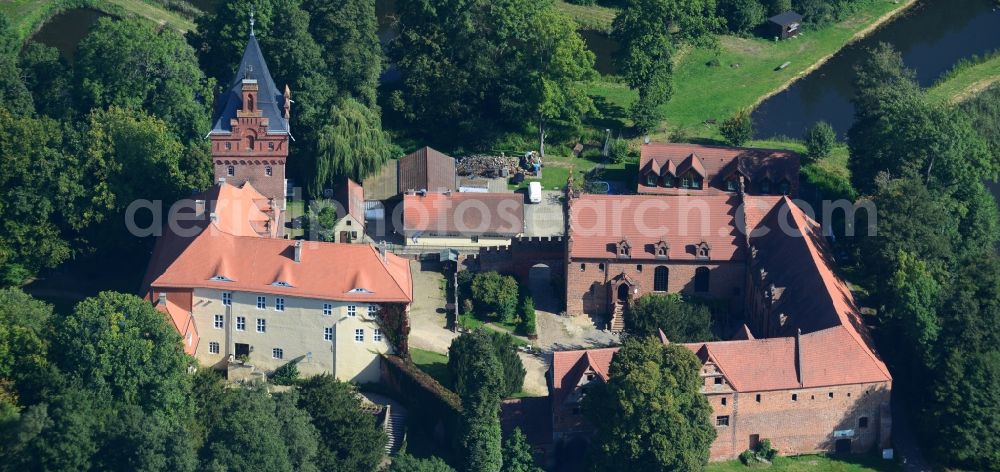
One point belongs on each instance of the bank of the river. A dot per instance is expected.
(967, 81)
(711, 85)
(27, 16)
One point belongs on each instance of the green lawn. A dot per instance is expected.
(811, 463)
(27, 15)
(434, 364)
(967, 81)
(590, 17)
(746, 71)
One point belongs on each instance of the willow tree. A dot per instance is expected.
(351, 145)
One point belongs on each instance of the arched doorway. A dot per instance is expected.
(623, 293)
(542, 291)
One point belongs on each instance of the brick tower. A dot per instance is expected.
(250, 133)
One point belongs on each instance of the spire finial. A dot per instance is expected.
(251, 19)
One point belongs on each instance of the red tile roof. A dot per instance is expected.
(599, 222)
(352, 196)
(569, 366)
(463, 214)
(331, 271)
(183, 322)
(715, 164)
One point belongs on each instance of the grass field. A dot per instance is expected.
(811, 463)
(434, 364)
(967, 80)
(27, 15)
(746, 71)
(590, 17)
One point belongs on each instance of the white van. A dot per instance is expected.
(534, 192)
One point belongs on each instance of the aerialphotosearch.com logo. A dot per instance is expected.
(643, 217)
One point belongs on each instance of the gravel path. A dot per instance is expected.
(427, 316)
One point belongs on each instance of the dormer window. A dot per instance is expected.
(661, 249)
(686, 182)
(701, 250)
(668, 181)
(220, 278)
(281, 283)
(624, 249)
(359, 290)
(765, 186)
(732, 185)
(696, 181)
(784, 187)
(651, 179)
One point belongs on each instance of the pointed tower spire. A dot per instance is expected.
(251, 19)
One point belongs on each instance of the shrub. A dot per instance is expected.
(647, 116)
(287, 374)
(528, 317)
(742, 16)
(681, 321)
(737, 129)
(618, 150)
(495, 294)
(820, 140)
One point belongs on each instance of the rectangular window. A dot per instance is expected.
(328, 309)
(261, 303)
(758, 398)
(241, 323)
(359, 335)
(377, 336)
(352, 310)
(261, 325)
(328, 334)
(795, 397)
(227, 298)
(278, 353)
(863, 422)
(722, 420)
(279, 304)
(372, 309)
(219, 322)
(213, 347)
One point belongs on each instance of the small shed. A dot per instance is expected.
(784, 25)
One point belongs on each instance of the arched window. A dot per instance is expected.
(249, 102)
(250, 143)
(267, 171)
(701, 279)
(229, 145)
(270, 146)
(660, 279)
(230, 170)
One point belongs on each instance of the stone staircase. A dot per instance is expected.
(394, 427)
(618, 319)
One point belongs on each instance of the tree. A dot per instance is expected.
(737, 129)
(24, 343)
(742, 16)
(47, 76)
(248, 435)
(44, 199)
(681, 321)
(123, 345)
(511, 367)
(127, 63)
(347, 32)
(407, 463)
(631, 436)
(15, 95)
(478, 383)
(820, 140)
(301, 437)
(349, 438)
(517, 454)
(527, 326)
(495, 294)
(351, 145)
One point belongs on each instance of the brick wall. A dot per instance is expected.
(588, 287)
(522, 254)
(804, 425)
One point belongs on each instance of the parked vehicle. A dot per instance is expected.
(534, 192)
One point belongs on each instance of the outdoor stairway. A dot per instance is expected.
(395, 428)
(618, 319)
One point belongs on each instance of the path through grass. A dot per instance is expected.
(26, 16)
(967, 81)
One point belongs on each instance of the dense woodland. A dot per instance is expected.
(83, 388)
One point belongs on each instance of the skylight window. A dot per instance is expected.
(281, 283)
(220, 278)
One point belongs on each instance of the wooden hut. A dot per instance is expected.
(784, 25)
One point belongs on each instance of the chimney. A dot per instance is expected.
(162, 300)
(222, 180)
(199, 208)
(298, 251)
